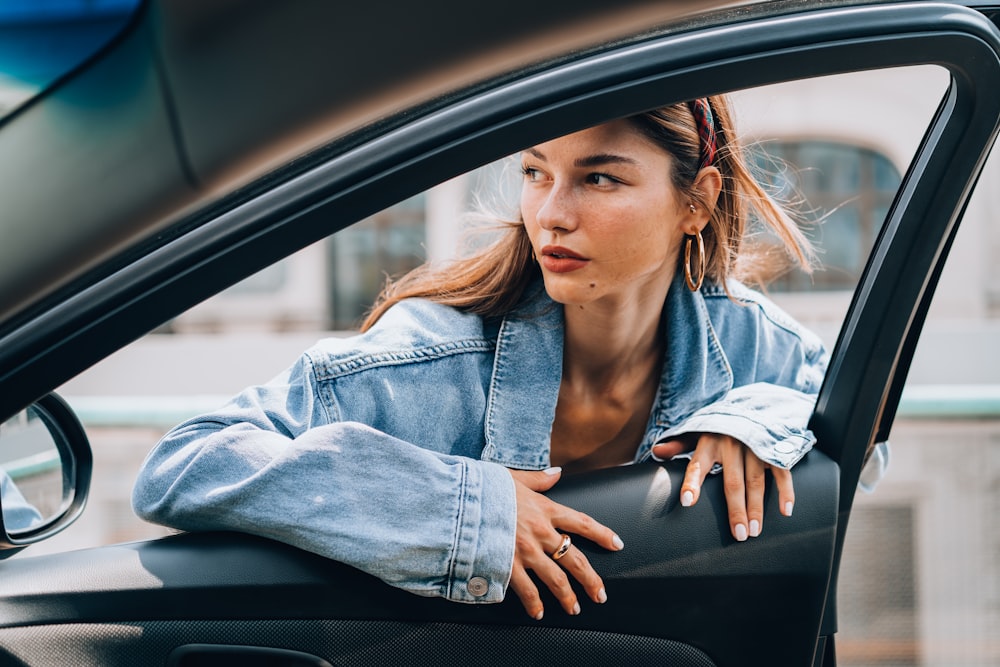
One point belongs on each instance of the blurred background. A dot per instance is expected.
(920, 582)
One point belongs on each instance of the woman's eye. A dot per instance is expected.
(530, 174)
(603, 180)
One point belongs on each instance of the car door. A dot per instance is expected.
(684, 592)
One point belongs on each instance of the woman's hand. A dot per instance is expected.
(742, 479)
(541, 524)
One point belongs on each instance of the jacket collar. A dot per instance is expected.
(527, 371)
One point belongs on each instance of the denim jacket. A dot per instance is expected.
(387, 450)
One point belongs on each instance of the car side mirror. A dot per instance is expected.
(45, 468)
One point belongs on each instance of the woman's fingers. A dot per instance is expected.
(744, 482)
(694, 476)
(560, 517)
(555, 574)
(754, 470)
(526, 591)
(537, 480)
(668, 449)
(535, 555)
(568, 520)
(555, 578)
(786, 491)
(543, 527)
(734, 486)
(576, 563)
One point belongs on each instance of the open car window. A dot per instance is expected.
(821, 146)
(816, 146)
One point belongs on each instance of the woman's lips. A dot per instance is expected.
(561, 260)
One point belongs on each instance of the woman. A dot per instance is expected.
(604, 328)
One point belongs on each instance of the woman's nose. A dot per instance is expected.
(558, 210)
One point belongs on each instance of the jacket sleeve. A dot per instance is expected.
(777, 369)
(274, 463)
(770, 419)
(18, 513)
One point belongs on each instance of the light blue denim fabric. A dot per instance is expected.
(387, 450)
(18, 513)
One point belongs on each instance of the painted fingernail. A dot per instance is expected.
(741, 532)
(539, 615)
(617, 541)
(754, 527)
(687, 498)
(576, 609)
(602, 596)
(554, 470)
(788, 508)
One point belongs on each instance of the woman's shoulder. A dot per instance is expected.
(751, 307)
(426, 320)
(411, 331)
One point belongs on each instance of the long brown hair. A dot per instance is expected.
(492, 281)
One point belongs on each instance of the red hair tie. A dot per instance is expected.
(705, 122)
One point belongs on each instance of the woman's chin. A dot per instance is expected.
(568, 291)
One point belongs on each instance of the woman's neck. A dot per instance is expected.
(602, 347)
(611, 371)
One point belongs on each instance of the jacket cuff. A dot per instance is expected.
(484, 550)
(768, 419)
(782, 450)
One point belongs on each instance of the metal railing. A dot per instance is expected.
(918, 402)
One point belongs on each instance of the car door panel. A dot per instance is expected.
(678, 564)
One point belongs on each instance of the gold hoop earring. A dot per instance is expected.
(693, 285)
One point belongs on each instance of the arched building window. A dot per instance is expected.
(848, 189)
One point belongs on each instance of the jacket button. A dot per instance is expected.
(478, 586)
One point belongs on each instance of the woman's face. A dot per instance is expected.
(604, 219)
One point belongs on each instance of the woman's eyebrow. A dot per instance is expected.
(590, 160)
(603, 158)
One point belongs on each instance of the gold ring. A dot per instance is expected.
(563, 548)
